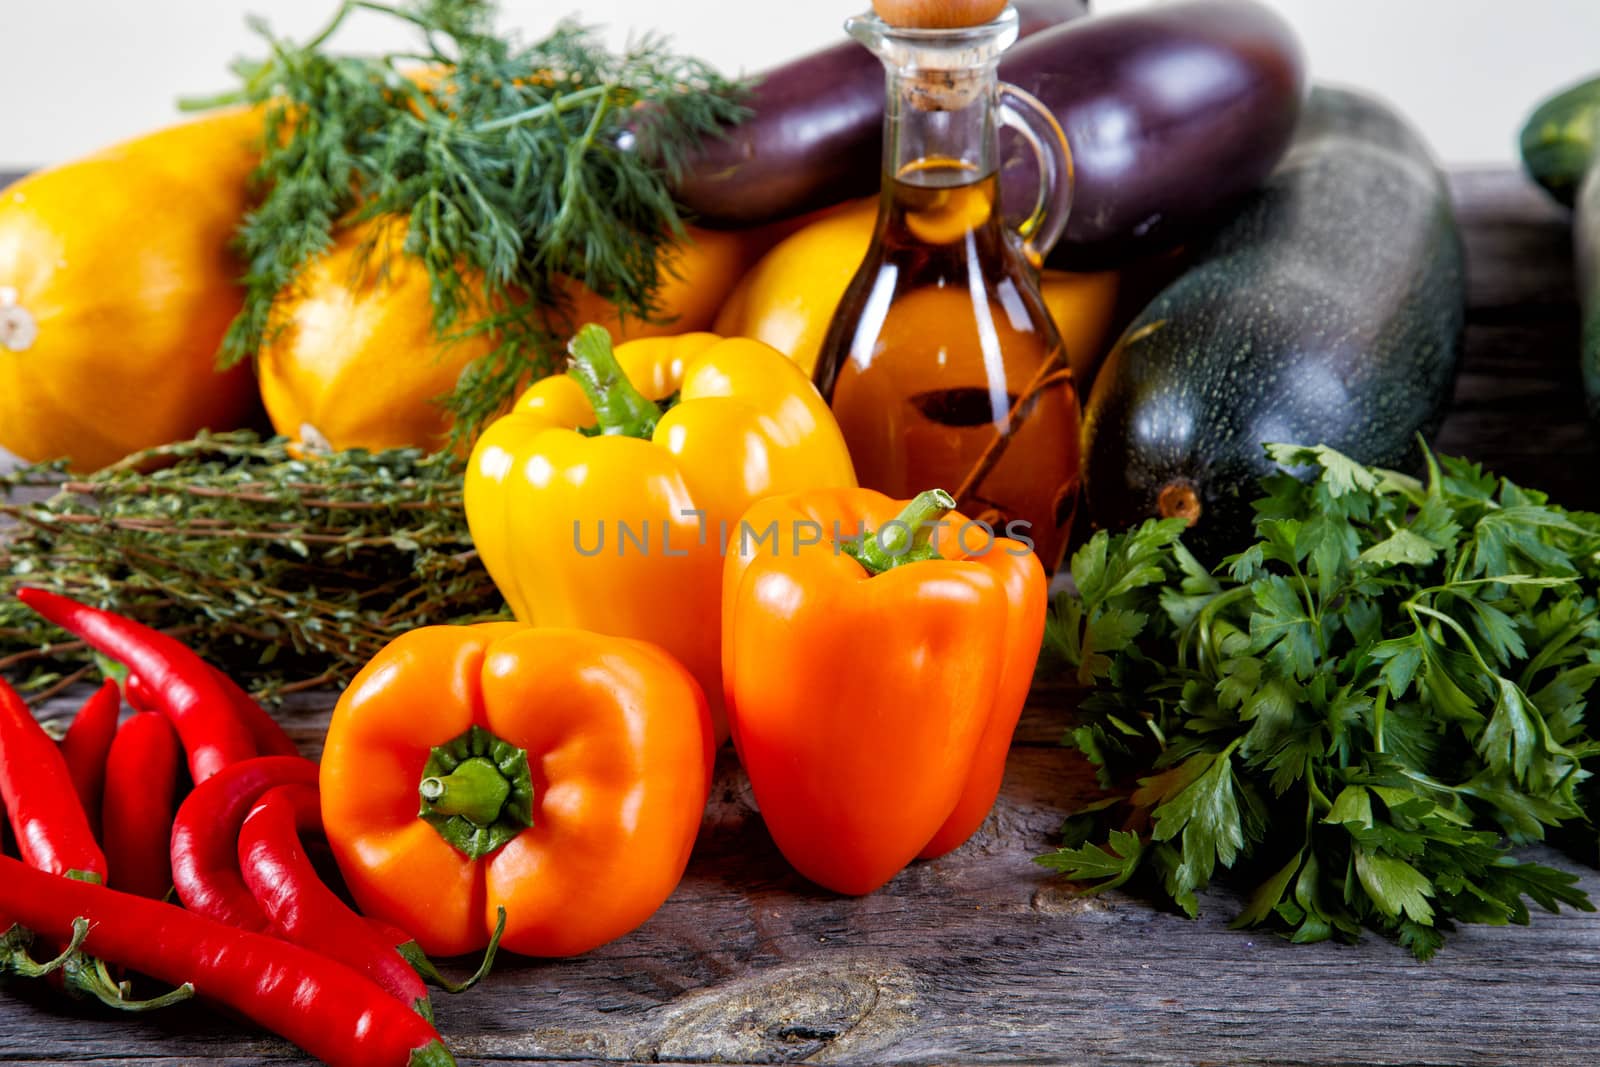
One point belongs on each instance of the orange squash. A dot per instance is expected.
(788, 298)
(355, 363)
(116, 286)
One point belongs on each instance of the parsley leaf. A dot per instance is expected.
(1108, 866)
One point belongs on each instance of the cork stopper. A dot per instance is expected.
(943, 51)
(937, 14)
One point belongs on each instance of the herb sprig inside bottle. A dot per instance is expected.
(520, 169)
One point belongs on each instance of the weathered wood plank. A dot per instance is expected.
(981, 956)
(978, 956)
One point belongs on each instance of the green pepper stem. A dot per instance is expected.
(16, 960)
(413, 954)
(88, 975)
(906, 538)
(433, 1054)
(619, 408)
(475, 790)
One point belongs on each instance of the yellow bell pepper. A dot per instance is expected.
(607, 498)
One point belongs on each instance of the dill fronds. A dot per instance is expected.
(520, 169)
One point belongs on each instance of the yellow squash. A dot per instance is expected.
(116, 287)
(352, 361)
(356, 363)
(788, 298)
(593, 507)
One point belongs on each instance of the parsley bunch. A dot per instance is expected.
(1363, 712)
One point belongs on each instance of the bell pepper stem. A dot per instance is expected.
(619, 408)
(475, 790)
(906, 538)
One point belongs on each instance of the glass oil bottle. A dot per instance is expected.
(941, 363)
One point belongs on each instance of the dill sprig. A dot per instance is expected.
(290, 572)
(520, 169)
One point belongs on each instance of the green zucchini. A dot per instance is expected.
(1559, 138)
(1558, 148)
(1329, 310)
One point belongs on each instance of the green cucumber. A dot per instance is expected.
(1558, 147)
(1329, 310)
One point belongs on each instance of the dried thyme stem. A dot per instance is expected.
(289, 572)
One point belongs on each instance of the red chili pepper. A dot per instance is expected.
(53, 833)
(271, 740)
(324, 1007)
(304, 910)
(205, 837)
(183, 686)
(87, 743)
(264, 729)
(141, 792)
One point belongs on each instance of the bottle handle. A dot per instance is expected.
(1022, 112)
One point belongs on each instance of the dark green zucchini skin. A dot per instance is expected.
(1328, 311)
(1558, 139)
(1586, 259)
(1558, 149)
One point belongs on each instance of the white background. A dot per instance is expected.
(76, 74)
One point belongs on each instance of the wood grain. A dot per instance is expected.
(981, 956)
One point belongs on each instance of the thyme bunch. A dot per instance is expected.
(520, 169)
(289, 572)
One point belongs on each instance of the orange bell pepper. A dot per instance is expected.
(558, 774)
(873, 687)
(595, 504)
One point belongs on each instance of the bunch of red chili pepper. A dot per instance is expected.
(258, 931)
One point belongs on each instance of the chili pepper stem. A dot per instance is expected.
(433, 1054)
(16, 960)
(475, 790)
(424, 966)
(88, 975)
(619, 408)
(80, 973)
(906, 538)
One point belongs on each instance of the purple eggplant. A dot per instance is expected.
(1173, 112)
(816, 135)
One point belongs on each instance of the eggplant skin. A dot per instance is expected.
(1173, 113)
(815, 137)
(1328, 311)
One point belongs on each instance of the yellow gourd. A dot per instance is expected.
(116, 287)
(355, 364)
(788, 298)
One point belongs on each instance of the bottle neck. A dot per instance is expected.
(939, 125)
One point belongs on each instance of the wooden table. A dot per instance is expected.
(981, 956)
